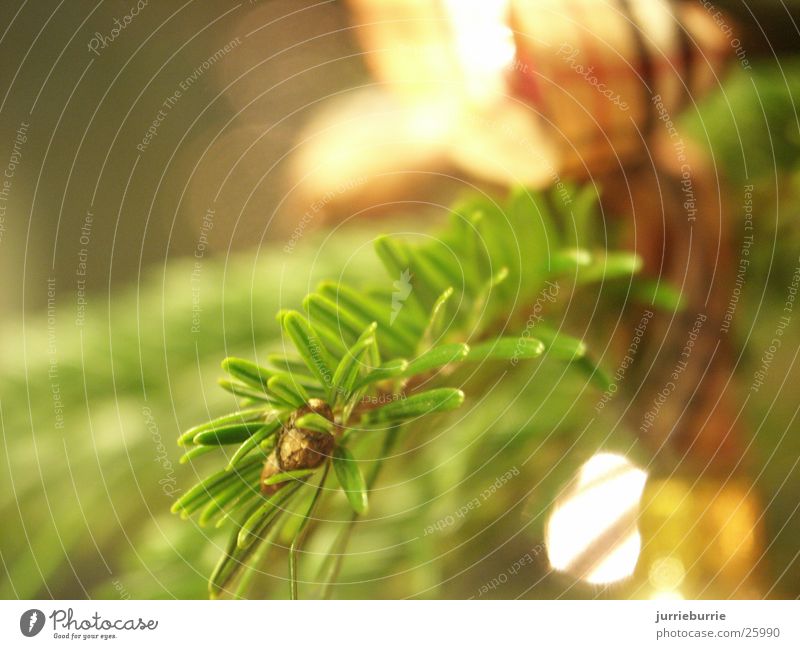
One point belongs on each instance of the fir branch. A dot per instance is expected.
(379, 360)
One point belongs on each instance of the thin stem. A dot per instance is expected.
(250, 569)
(341, 544)
(299, 535)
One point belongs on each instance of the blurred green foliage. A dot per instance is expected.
(751, 128)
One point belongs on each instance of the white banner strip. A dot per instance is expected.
(356, 624)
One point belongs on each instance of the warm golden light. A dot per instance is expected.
(667, 595)
(592, 532)
(483, 42)
(667, 573)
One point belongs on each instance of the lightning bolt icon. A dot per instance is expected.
(32, 621)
